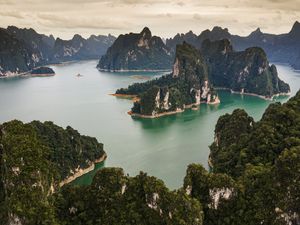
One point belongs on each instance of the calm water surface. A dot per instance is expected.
(161, 147)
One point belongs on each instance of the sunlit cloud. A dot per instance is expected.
(163, 17)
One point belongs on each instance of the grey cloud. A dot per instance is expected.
(14, 14)
(197, 16)
(52, 20)
(141, 1)
(181, 3)
(165, 17)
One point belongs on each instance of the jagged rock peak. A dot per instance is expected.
(14, 29)
(77, 37)
(219, 29)
(185, 49)
(146, 32)
(255, 34)
(295, 28)
(190, 33)
(182, 51)
(296, 24)
(93, 36)
(257, 31)
(223, 46)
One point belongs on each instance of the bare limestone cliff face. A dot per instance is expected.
(195, 72)
(243, 72)
(15, 56)
(22, 49)
(136, 51)
(283, 48)
(187, 86)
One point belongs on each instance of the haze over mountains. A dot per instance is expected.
(21, 50)
(283, 48)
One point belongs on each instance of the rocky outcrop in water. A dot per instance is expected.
(42, 71)
(136, 51)
(188, 85)
(244, 72)
(195, 72)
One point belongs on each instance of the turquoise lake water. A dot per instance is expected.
(161, 147)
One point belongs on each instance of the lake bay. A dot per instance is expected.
(162, 147)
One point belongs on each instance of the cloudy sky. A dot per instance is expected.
(64, 18)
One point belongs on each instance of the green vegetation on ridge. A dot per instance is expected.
(254, 179)
(136, 51)
(35, 157)
(187, 85)
(195, 73)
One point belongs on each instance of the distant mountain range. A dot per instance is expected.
(79, 48)
(283, 48)
(21, 50)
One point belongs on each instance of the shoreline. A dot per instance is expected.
(13, 75)
(190, 106)
(141, 70)
(28, 73)
(42, 75)
(70, 62)
(252, 94)
(155, 116)
(261, 96)
(194, 106)
(123, 95)
(81, 172)
(134, 98)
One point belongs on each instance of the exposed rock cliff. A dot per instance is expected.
(34, 158)
(282, 48)
(189, 37)
(188, 85)
(136, 51)
(262, 157)
(38, 42)
(194, 73)
(15, 56)
(98, 45)
(79, 48)
(21, 50)
(245, 72)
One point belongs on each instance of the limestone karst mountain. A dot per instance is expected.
(137, 51)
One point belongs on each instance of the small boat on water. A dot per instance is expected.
(79, 75)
